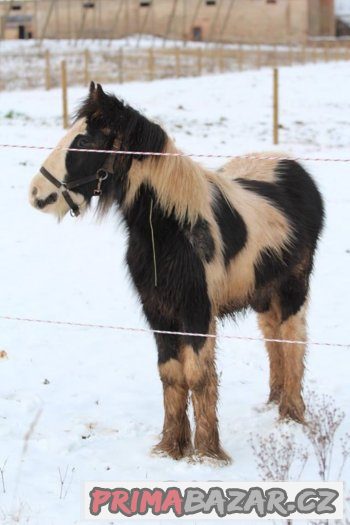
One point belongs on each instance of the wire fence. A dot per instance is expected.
(166, 332)
(37, 67)
(178, 154)
(172, 333)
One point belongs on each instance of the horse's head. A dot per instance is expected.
(68, 179)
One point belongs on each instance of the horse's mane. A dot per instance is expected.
(179, 183)
(136, 132)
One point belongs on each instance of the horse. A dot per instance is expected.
(202, 245)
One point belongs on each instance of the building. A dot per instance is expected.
(250, 21)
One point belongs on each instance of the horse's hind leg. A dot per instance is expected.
(293, 329)
(285, 320)
(293, 295)
(201, 378)
(269, 323)
(176, 435)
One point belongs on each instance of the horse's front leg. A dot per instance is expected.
(201, 377)
(176, 435)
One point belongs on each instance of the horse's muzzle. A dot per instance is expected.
(42, 203)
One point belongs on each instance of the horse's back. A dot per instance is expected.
(255, 166)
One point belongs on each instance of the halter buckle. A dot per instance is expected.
(101, 176)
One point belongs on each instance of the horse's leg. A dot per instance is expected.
(269, 323)
(176, 435)
(201, 377)
(293, 328)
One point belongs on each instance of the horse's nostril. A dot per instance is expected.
(34, 192)
(41, 203)
(51, 198)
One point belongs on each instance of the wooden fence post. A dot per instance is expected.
(199, 61)
(240, 58)
(47, 70)
(64, 93)
(303, 54)
(221, 60)
(340, 51)
(298, 54)
(120, 66)
(326, 51)
(86, 67)
(275, 105)
(313, 53)
(177, 63)
(258, 56)
(151, 64)
(275, 55)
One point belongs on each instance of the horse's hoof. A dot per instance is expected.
(172, 450)
(263, 408)
(215, 458)
(294, 410)
(275, 396)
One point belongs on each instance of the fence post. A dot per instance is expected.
(326, 51)
(258, 56)
(275, 55)
(86, 67)
(340, 51)
(47, 70)
(240, 57)
(151, 64)
(221, 59)
(120, 66)
(275, 105)
(303, 54)
(314, 51)
(177, 62)
(199, 61)
(64, 93)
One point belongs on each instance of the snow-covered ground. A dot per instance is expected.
(342, 7)
(23, 63)
(89, 400)
(142, 41)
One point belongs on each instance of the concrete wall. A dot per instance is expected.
(265, 21)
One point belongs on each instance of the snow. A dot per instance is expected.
(342, 10)
(93, 396)
(138, 40)
(141, 41)
(342, 7)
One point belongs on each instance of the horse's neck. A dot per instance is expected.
(179, 184)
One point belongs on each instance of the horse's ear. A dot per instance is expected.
(96, 98)
(96, 93)
(100, 108)
(101, 96)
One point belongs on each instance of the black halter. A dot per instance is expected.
(100, 175)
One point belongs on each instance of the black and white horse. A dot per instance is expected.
(202, 245)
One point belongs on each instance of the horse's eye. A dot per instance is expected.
(83, 142)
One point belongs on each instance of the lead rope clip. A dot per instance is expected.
(102, 175)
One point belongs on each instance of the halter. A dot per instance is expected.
(100, 175)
